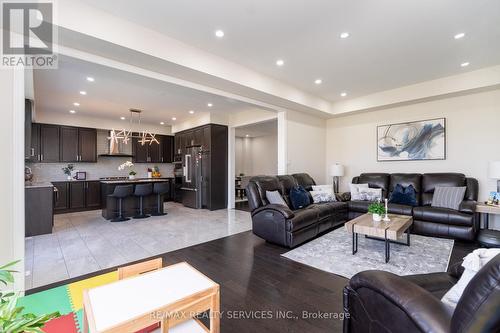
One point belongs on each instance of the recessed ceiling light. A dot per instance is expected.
(122, 118)
(83, 92)
(90, 79)
(318, 81)
(76, 104)
(247, 135)
(173, 118)
(210, 105)
(344, 35)
(219, 33)
(280, 62)
(162, 123)
(191, 111)
(464, 64)
(72, 111)
(460, 35)
(343, 94)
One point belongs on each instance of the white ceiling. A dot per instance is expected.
(259, 129)
(114, 92)
(392, 43)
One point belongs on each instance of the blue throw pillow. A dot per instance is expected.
(404, 195)
(299, 198)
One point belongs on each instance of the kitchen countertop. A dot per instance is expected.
(138, 180)
(37, 184)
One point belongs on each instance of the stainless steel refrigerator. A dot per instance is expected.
(192, 179)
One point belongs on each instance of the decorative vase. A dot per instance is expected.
(377, 217)
(131, 177)
(150, 175)
(69, 178)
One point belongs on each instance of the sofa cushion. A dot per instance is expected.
(442, 216)
(405, 180)
(275, 198)
(303, 218)
(261, 184)
(359, 206)
(432, 180)
(448, 197)
(287, 183)
(375, 180)
(299, 197)
(437, 284)
(304, 180)
(323, 210)
(400, 209)
(403, 195)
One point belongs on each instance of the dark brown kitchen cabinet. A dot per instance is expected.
(77, 195)
(61, 202)
(39, 217)
(49, 143)
(28, 122)
(167, 148)
(87, 144)
(153, 153)
(93, 194)
(69, 144)
(78, 144)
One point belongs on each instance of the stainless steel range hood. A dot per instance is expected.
(109, 148)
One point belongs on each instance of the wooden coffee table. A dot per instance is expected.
(389, 232)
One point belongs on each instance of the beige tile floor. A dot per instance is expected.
(85, 242)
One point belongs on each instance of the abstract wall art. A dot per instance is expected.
(412, 141)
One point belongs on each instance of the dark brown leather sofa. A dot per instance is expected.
(427, 220)
(378, 301)
(279, 224)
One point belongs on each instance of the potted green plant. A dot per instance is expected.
(13, 319)
(67, 170)
(377, 209)
(129, 165)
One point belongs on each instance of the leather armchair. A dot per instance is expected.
(377, 301)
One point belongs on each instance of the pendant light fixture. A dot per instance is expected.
(144, 137)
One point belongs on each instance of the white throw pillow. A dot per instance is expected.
(361, 192)
(322, 188)
(473, 262)
(274, 197)
(328, 189)
(322, 196)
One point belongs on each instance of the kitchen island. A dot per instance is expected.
(130, 204)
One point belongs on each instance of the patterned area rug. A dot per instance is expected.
(333, 253)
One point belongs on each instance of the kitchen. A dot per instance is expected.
(111, 135)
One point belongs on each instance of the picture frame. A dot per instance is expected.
(421, 140)
(81, 175)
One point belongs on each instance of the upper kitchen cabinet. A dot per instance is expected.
(49, 143)
(167, 148)
(153, 153)
(87, 144)
(78, 144)
(29, 151)
(69, 144)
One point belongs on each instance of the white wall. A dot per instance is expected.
(257, 155)
(11, 171)
(472, 129)
(306, 137)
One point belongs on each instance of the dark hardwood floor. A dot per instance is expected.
(258, 285)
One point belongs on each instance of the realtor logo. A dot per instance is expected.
(28, 34)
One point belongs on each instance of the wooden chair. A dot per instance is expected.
(140, 268)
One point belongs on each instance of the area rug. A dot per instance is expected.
(67, 300)
(333, 253)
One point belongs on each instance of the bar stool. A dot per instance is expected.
(141, 191)
(160, 189)
(120, 192)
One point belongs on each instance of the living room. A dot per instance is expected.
(377, 209)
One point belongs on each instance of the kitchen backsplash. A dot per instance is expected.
(105, 167)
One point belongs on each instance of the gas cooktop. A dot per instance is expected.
(113, 178)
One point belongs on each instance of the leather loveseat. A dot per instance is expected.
(427, 220)
(378, 301)
(281, 225)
